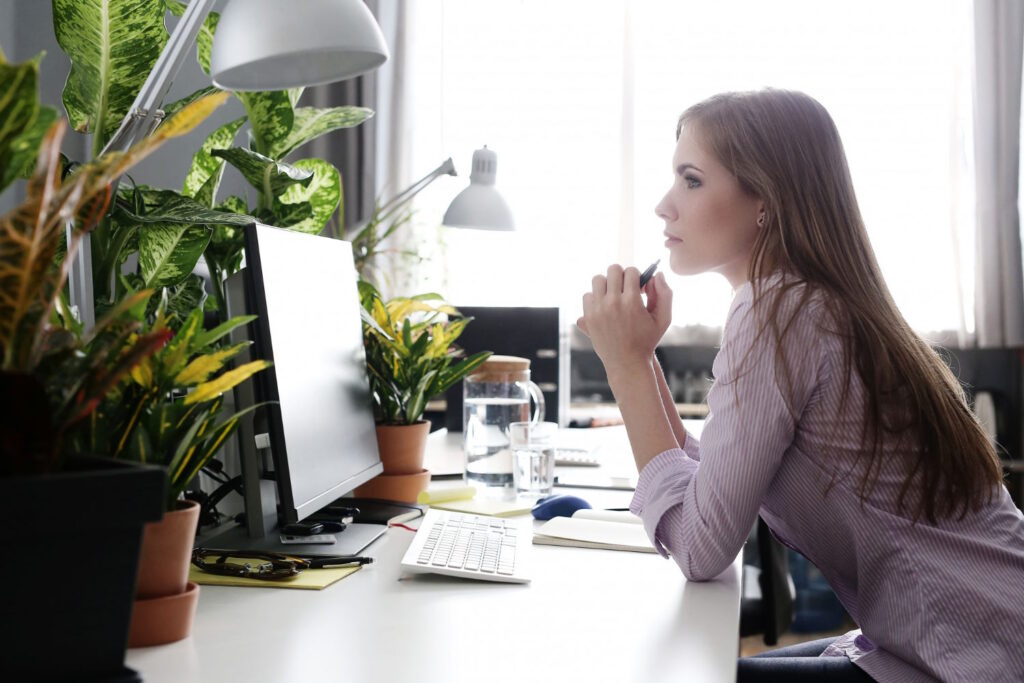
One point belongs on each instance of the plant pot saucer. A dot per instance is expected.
(401, 487)
(157, 621)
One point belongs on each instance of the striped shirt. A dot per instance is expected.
(938, 601)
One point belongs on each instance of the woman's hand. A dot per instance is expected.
(624, 331)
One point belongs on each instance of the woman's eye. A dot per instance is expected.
(691, 181)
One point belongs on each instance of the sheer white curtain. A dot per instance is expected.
(580, 101)
(999, 37)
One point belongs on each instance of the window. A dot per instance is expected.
(580, 102)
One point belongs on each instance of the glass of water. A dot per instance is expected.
(533, 456)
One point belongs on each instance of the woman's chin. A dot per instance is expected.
(681, 265)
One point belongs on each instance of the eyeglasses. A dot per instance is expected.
(265, 565)
(249, 564)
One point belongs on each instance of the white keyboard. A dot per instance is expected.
(576, 457)
(471, 547)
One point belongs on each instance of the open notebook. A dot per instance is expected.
(607, 529)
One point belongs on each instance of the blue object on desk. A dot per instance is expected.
(558, 506)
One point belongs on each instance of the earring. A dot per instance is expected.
(760, 220)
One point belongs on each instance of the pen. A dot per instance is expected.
(646, 276)
(339, 561)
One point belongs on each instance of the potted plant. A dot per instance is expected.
(155, 414)
(410, 357)
(166, 411)
(74, 518)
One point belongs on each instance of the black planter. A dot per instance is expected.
(70, 555)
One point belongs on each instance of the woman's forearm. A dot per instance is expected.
(640, 402)
(670, 405)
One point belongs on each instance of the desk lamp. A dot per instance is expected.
(480, 206)
(259, 45)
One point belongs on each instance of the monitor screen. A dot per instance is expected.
(319, 424)
(322, 431)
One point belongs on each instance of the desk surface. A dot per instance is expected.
(595, 615)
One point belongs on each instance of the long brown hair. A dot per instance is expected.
(784, 148)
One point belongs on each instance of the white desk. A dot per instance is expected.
(594, 615)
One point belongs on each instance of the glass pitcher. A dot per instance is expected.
(497, 394)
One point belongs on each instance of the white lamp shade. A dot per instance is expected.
(274, 45)
(480, 206)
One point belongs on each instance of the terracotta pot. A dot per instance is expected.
(167, 552)
(165, 601)
(402, 447)
(163, 620)
(401, 487)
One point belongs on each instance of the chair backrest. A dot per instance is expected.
(776, 600)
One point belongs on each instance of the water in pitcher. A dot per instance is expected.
(488, 451)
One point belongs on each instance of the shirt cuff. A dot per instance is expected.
(667, 473)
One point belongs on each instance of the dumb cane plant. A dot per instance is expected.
(410, 352)
(113, 45)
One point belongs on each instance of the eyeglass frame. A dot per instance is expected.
(276, 566)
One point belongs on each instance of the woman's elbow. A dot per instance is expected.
(702, 569)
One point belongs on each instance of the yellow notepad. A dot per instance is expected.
(310, 579)
(463, 499)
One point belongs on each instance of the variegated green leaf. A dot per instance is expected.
(289, 215)
(207, 193)
(25, 148)
(270, 177)
(182, 298)
(167, 206)
(168, 253)
(18, 103)
(271, 116)
(204, 41)
(323, 194)
(294, 94)
(310, 123)
(113, 45)
(204, 165)
(234, 205)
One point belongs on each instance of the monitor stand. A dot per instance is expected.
(351, 541)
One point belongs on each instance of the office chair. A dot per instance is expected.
(766, 606)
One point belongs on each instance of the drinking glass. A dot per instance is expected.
(533, 456)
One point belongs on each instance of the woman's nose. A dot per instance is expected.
(664, 210)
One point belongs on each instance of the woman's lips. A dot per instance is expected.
(670, 240)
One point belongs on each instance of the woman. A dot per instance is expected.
(829, 417)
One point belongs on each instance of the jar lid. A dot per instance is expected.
(502, 369)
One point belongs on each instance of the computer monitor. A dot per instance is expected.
(315, 440)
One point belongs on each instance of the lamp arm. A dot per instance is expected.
(145, 115)
(447, 167)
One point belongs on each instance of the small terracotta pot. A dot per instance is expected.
(402, 447)
(163, 620)
(165, 600)
(401, 487)
(167, 552)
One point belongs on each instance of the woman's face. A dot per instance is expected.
(710, 222)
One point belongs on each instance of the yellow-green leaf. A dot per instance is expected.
(217, 386)
(201, 367)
